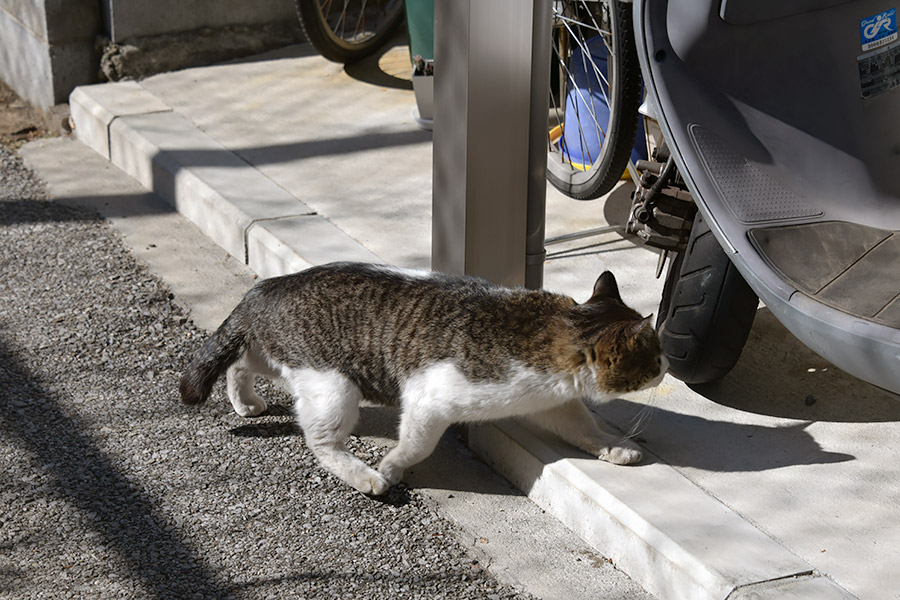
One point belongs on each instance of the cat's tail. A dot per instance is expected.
(226, 345)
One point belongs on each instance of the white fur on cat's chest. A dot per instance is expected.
(448, 393)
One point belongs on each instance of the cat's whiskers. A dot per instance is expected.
(640, 420)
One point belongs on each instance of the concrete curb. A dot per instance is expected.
(657, 526)
(660, 528)
(236, 206)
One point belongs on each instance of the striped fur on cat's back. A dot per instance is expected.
(444, 349)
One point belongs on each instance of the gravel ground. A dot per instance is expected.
(111, 489)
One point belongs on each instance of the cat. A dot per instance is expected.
(444, 349)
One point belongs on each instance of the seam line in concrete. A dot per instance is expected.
(801, 576)
(237, 154)
(267, 220)
(117, 117)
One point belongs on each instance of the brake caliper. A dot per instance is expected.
(662, 210)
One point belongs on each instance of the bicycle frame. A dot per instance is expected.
(783, 118)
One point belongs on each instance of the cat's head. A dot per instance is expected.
(617, 344)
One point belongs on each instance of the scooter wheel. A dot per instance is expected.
(706, 311)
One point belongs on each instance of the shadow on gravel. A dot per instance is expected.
(124, 517)
(267, 430)
(16, 212)
(397, 579)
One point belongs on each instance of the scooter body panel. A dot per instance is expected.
(784, 120)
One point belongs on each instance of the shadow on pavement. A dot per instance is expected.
(370, 70)
(723, 446)
(779, 376)
(84, 477)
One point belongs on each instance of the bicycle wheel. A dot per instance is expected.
(348, 30)
(706, 311)
(595, 92)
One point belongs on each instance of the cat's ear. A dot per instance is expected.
(605, 288)
(638, 326)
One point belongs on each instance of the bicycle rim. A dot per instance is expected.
(594, 96)
(348, 30)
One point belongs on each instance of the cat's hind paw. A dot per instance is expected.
(622, 455)
(248, 405)
(370, 483)
(250, 410)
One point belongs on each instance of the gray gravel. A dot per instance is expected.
(111, 489)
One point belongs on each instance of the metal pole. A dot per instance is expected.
(535, 254)
(489, 181)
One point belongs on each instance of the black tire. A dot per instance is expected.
(706, 311)
(328, 32)
(571, 170)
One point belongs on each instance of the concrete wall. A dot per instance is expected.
(47, 47)
(137, 18)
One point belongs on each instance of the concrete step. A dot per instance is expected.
(234, 204)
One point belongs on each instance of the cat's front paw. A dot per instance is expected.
(367, 480)
(622, 454)
(379, 486)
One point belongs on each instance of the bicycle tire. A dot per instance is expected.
(706, 311)
(326, 31)
(567, 169)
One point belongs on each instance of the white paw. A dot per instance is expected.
(379, 486)
(371, 483)
(391, 472)
(622, 455)
(250, 410)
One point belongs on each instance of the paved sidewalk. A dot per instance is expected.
(781, 481)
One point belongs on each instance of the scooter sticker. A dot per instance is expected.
(878, 30)
(879, 71)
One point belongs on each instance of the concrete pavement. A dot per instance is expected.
(779, 482)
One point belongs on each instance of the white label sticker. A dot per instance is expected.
(879, 72)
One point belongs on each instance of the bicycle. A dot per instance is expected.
(595, 93)
(350, 31)
(595, 80)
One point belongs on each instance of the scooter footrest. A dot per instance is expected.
(848, 266)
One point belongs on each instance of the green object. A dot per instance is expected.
(420, 21)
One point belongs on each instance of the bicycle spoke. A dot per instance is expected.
(575, 88)
(361, 22)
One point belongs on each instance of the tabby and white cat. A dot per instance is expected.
(445, 349)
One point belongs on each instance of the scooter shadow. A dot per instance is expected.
(779, 376)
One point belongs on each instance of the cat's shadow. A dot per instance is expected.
(677, 439)
(723, 446)
(379, 425)
(271, 423)
(784, 382)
